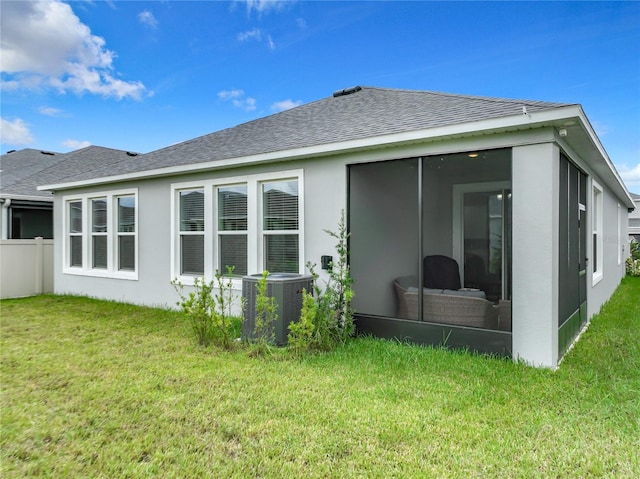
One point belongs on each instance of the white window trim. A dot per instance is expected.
(619, 241)
(217, 233)
(93, 234)
(254, 225)
(87, 269)
(597, 205)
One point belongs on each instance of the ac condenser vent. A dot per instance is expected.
(287, 290)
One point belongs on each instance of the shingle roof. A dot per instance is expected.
(367, 113)
(24, 170)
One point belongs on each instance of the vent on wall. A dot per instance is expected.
(347, 91)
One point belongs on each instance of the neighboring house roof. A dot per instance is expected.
(355, 119)
(369, 112)
(17, 166)
(23, 171)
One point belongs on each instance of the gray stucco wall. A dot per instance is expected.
(325, 196)
(535, 190)
(613, 271)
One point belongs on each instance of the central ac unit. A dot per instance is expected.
(286, 289)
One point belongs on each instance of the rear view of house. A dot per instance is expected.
(498, 224)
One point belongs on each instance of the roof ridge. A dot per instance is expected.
(472, 97)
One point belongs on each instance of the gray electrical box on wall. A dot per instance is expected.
(286, 289)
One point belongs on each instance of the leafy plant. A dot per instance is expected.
(266, 314)
(210, 313)
(327, 317)
(301, 332)
(632, 263)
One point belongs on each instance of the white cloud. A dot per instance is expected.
(248, 104)
(270, 43)
(50, 111)
(238, 99)
(263, 6)
(630, 176)
(15, 132)
(44, 44)
(285, 105)
(146, 18)
(75, 144)
(257, 35)
(229, 94)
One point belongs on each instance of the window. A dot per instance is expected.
(280, 226)
(232, 228)
(251, 223)
(110, 240)
(126, 233)
(597, 240)
(75, 234)
(99, 233)
(192, 232)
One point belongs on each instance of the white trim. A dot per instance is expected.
(492, 125)
(619, 242)
(9, 196)
(254, 231)
(597, 204)
(111, 271)
(458, 217)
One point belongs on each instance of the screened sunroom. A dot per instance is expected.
(441, 225)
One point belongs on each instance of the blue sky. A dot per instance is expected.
(139, 76)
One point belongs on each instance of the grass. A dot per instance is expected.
(102, 389)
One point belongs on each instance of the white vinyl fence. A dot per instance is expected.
(26, 267)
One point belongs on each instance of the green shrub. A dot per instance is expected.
(266, 314)
(301, 332)
(327, 317)
(210, 314)
(633, 261)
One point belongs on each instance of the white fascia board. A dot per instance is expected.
(493, 125)
(10, 196)
(603, 153)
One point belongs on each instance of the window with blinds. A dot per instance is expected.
(99, 233)
(280, 226)
(103, 230)
(126, 234)
(249, 223)
(75, 233)
(232, 228)
(192, 232)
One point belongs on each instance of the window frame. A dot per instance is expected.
(94, 233)
(69, 234)
(112, 234)
(254, 232)
(193, 232)
(121, 234)
(597, 239)
(266, 232)
(229, 232)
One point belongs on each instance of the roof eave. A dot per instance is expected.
(523, 121)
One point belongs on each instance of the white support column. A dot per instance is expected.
(4, 218)
(535, 170)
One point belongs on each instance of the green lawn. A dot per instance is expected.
(102, 389)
